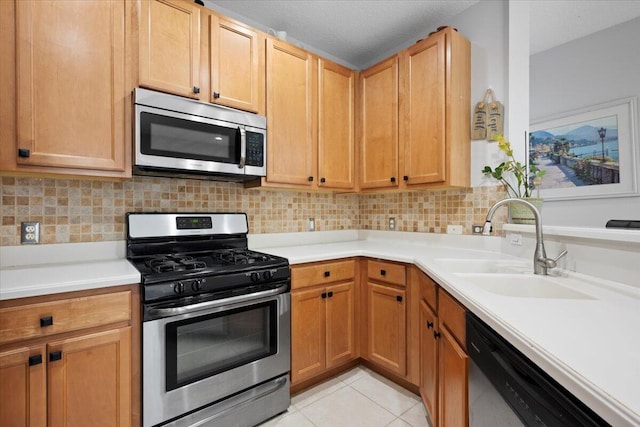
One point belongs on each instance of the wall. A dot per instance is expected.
(599, 68)
(83, 211)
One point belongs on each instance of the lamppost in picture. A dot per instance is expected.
(602, 132)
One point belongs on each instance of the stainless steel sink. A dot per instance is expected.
(524, 286)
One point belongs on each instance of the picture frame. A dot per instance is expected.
(587, 153)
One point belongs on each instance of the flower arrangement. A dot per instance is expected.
(524, 185)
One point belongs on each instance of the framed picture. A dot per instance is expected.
(589, 153)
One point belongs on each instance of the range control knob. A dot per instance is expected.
(267, 275)
(196, 285)
(255, 277)
(178, 288)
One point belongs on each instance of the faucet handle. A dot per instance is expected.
(553, 262)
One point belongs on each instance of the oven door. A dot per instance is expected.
(193, 144)
(196, 358)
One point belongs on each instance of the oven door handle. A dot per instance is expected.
(174, 311)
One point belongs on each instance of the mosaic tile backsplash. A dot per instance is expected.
(83, 211)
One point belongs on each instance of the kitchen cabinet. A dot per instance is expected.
(66, 84)
(70, 359)
(386, 316)
(443, 357)
(435, 96)
(291, 115)
(237, 75)
(379, 125)
(169, 51)
(415, 116)
(321, 154)
(336, 126)
(323, 318)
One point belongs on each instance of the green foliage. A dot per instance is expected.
(523, 185)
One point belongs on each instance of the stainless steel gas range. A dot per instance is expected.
(216, 321)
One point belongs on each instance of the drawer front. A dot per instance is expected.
(428, 290)
(48, 318)
(452, 315)
(322, 273)
(387, 272)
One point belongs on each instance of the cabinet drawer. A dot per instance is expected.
(321, 273)
(48, 318)
(386, 272)
(452, 315)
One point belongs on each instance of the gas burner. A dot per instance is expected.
(169, 263)
(240, 256)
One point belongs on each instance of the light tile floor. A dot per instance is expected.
(358, 397)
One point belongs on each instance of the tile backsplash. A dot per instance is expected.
(71, 210)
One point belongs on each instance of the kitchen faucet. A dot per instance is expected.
(540, 261)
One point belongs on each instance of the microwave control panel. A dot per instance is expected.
(255, 149)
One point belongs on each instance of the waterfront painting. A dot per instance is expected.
(587, 153)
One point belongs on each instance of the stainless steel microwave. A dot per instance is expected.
(177, 136)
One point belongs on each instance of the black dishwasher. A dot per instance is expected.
(535, 397)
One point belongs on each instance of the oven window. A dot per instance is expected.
(200, 347)
(173, 137)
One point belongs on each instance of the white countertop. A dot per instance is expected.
(27, 271)
(589, 346)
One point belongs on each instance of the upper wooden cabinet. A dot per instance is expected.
(236, 77)
(336, 126)
(435, 96)
(415, 116)
(169, 55)
(291, 115)
(379, 125)
(66, 87)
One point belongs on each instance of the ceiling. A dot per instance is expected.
(358, 33)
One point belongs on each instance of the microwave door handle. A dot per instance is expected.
(243, 148)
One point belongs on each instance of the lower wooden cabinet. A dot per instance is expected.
(443, 358)
(74, 377)
(429, 361)
(23, 385)
(386, 307)
(453, 380)
(322, 319)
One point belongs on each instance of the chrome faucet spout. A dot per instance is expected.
(540, 261)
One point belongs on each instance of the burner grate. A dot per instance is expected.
(170, 263)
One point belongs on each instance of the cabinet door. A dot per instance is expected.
(235, 73)
(170, 47)
(453, 380)
(428, 361)
(71, 84)
(386, 330)
(336, 122)
(290, 114)
(379, 145)
(89, 380)
(308, 333)
(23, 387)
(423, 133)
(340, 324)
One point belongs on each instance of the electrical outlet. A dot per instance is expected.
(515, 239)
(312, 224)
(392, 223)
(454, 229)
(30, 233)
(476, 229)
